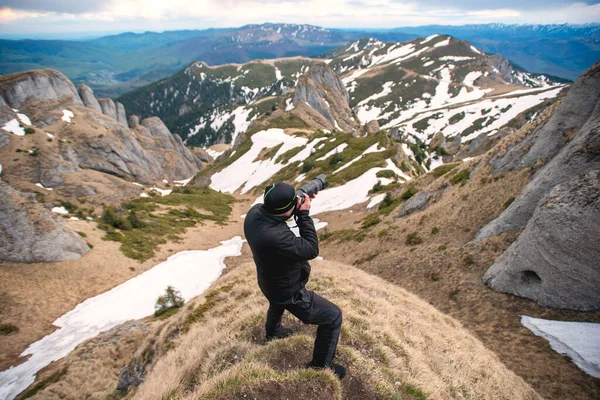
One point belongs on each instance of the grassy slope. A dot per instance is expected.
(430, 253)
(395, 345)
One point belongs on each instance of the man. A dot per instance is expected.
(281, 260)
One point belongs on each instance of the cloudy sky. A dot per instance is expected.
(59, 16)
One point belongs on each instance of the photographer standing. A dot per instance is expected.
(283, 270)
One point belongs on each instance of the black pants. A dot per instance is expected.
(313, 309)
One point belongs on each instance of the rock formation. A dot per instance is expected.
(89, 100)
(109, 108)
(29, 233)
(121, 115)
(134, 121)
(47, 84)
(573, 133)
(555, 260)
(325, 92)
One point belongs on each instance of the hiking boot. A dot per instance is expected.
(337, 369)
(283, 333)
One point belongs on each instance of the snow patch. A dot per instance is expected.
(13, 126)
(376, 200)
(60, 210)
(67, 116)
(429, 38)
(578, 340)
(191, 272)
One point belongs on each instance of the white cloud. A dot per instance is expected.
(162, 15)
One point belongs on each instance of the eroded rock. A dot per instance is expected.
(89, 100)
(555, 260)
(29, 233)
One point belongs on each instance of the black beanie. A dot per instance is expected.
(279, 198)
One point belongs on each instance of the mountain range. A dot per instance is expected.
(115, 64)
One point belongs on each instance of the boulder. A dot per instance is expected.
(29, 233)
(555, 260)
(419, 202)
(121, 115)
(109, 108)
(325, 92)
(89, 100)
(17, 89)
(372, 127)
(134, 121)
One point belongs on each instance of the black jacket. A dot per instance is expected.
(281, 257)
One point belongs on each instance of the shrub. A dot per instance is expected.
(134, 220)
(70, 207)
(82, 234)
(413, 239)
(29, 131)
(370, 221)
(388, 204)
(7, 329)
(443, 169)
(336, 159)
(110, 216)
(172, 299)
(460, 177)
(435, 230)
(442, 247)
(307, 167)
(378, 187)
(409, 192)
(387, 173)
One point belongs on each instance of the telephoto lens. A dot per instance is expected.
(312, 187)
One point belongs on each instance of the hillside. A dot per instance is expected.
(397, 347)
(115, 64)
(414, 89)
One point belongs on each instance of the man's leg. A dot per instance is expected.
(313, 309)
(273, 326)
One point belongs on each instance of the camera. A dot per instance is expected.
(312, 187)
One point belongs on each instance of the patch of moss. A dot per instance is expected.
(41, 385)
(444, 169)
(371, 220)
(141, 230)
(409, 192)
(388, 204)
(460, 177)
(413, 239)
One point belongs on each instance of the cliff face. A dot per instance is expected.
(555, 260)
(87, 141)
(29, 233)
(17, 89)
(325, 92)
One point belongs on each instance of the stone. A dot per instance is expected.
(121, 115)
(89, 100)
(419, 202)
(372, 127)
(555, 259)
(134, 121)
(17, 89)
(325, 92)
(108, 108)
(29, 233)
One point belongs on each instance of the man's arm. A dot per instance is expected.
(305, 247)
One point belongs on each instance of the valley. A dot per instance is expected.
(443, 161)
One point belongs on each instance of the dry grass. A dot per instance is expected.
(40, 293)
(394, 344)
(446, 269)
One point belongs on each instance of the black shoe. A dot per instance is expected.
(337, 369)
(283, 333)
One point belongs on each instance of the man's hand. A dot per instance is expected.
(306, 205)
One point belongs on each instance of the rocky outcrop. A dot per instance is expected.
(420, 201)
(555, 260)
(48, 84)
(325, 92)
(89, 100)
(29, 233)
(579, 155)
(121, 115)
(546, 141)
(502, 65)
(134, 121)
(109, 108)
